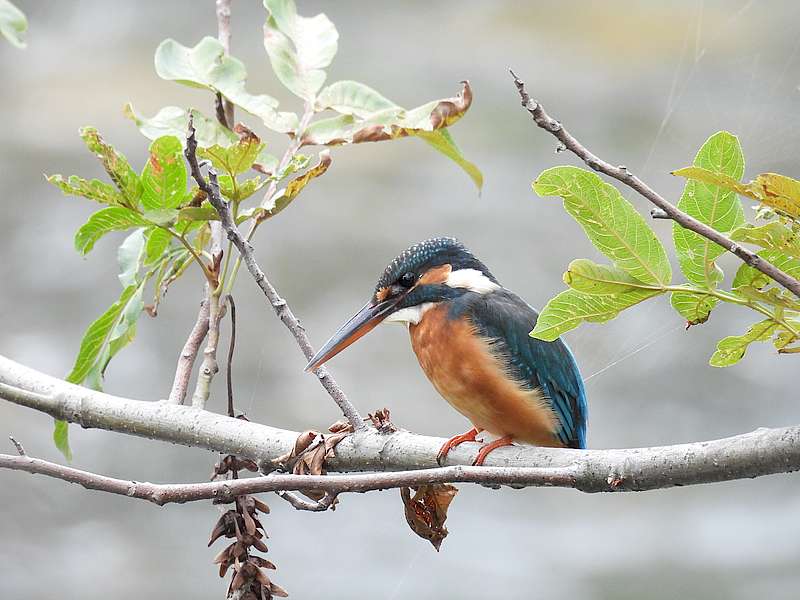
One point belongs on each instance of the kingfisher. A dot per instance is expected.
(471, 337)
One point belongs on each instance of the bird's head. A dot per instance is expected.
(433, 271)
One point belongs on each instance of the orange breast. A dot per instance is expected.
(473, 378)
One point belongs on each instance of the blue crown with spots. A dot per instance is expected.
(428, 254)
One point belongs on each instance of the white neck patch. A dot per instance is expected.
(411, 315)
(471, 279)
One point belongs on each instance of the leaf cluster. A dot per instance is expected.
(168, 218)
(639, 268)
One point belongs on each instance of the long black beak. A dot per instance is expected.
(361, 323)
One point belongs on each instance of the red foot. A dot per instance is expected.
(484, 451)
(455, 441)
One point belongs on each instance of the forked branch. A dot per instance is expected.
(285, 314)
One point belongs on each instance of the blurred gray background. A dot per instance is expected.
(641, 83)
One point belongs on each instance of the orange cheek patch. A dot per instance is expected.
(436, 275)
(382, 294)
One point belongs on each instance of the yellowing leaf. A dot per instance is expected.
(367, 116)
(295, 186)
(776, 191)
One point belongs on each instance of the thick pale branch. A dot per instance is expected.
(622, 174)
(285, 314)
(761, 452)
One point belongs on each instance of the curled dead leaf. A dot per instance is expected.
(380, 419)
(426, 511)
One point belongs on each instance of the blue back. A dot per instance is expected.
(507, 320)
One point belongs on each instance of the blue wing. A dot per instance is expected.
(506, 318)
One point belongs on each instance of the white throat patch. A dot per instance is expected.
(471, 279)
(411, 315)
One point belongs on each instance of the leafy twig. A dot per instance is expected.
(285, 314)
(622, 174)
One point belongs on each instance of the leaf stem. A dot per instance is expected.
(192, 251)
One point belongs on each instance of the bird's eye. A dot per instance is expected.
(407, 279)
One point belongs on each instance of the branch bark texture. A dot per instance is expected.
(285, 314)
(395, 459)
(622, 174)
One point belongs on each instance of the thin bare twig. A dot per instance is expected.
(209, 367)
(224, 37)
(183, 372)
(285, 314)
(17, 445)
(622, 174)
(231, 349)
(301, 503)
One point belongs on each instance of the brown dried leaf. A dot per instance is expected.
(426, 512)
(262, 562)
(278, 591)
(260, 505)
(224, 526)
(380, 419)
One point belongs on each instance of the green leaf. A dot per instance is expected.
(13, 24)
(710, 204)
(588, 277)
(695, 308)
(748, 276)
(237, 158)
(115, 164)
(774, 236)
(244, 189)
(61, 438)
(570, 308)
(204, 212)
(158, 243)
(443, 142)
(164, 175)
(354, 98)
(731, 349)
(610, 222)
(102, 331)
(94, 189)
(293, 189)
(130, 257)
(207, 66)
(299, 48)
(172, 120)
(114, 218)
